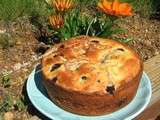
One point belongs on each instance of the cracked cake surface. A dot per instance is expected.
(91, 76)
(90, 65)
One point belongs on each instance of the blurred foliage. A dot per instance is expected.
(20, 104)
(10, 104)
(83, 20)
(6, 80)
(6, 41)
(87, 2)
(12, 9)
(145, 8)
(7, 105)
(77, 23)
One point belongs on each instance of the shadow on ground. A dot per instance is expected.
(30, 108)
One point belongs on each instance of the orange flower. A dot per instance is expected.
(115, 8)
(62, 5)
(56, 21)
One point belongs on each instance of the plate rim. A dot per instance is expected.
(147, 101)
(57, 118)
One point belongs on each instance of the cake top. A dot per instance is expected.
(90, 65)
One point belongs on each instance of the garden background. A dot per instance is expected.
(29, 27)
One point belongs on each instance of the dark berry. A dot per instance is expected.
(55, 66)
(95, 41)
(62, 46)
(98, 81)
(84, 78)
(42, 49)
(54, 80)
(55, 39)
(120, 49)
(110, 89)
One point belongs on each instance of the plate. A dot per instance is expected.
(39, 98)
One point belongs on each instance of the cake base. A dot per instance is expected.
(94, 104)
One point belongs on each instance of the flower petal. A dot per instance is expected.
(107, 5)
(100, 5)
(115, 5)
(125, 9)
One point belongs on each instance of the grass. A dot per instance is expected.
(9, 102)
(85, 19)
(144, 7)
(17, 8)
(6, 80)
(38, 11)
(6, 41)
(12, 9)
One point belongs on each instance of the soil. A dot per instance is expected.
(20, 59)
(145, 34)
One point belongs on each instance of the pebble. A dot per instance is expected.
(2, 31)
(18, 42)
(17, 66)
(8, 116)
(148, 43)
(34, 118)
(157, 52)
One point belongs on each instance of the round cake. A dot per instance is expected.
(91, 76)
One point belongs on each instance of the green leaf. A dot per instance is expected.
(20, 104)
(119, 31)
(6, 80)
(7, 105)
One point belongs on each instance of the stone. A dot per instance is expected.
(8, 116)
(34, 118)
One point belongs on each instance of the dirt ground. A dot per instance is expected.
(145, 34)
(20, 59)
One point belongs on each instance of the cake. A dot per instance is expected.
(91, 76)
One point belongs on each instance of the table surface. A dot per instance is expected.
(152, 68)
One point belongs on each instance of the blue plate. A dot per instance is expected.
(38, 96)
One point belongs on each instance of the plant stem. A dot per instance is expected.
(2, 106)
(90, 25)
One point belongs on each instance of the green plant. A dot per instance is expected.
(6, 80)
(125, 40)
(78, 22)
(6, 40)
(144, 7)
(7, 105)
(20, 104)
(87, 18)
(12, 9)
(87, 2)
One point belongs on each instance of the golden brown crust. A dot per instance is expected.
(91, 76)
